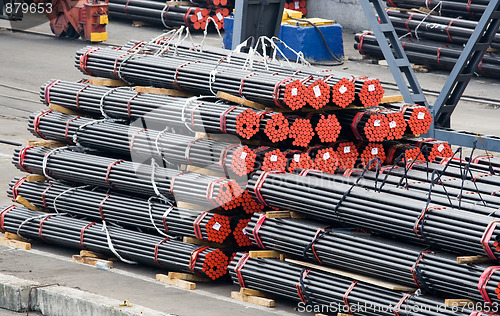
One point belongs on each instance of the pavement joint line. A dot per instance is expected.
(152, 280)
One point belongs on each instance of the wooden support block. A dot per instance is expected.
(473, 259)
(201, 242)
(139, 23)
(15, 243)
(205, 171)
(296, 215)
(257, 300)
(354, 276)
(458, 302)
(62, 109)
(264, 254)
(187, 277)
(343, 314)
(45, 143)
(26, 203)
(162, 91)
(107, 82)
(35, 178)
(91, 261)
(391, 99)
(12, 236)
(179, 3)
(238, 100)
(421, 68)
(218, 137)
(278, 214)
(185, 285)
(90, 254)
(252, 292)
(191, 206)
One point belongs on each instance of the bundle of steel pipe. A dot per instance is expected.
(452, 8)
(131, 177)
(365, 125)
(333, 87)
(407, 152)
(156, 216)
(436, 28)
(418, 119)
(129, 246)
(297, 5)
(207, 76)
(129, 141)
(415, 180)
(182, 115)
(159, 13)
(456, 174)
(370, 153)
(430, 148)
(279, 127)
(397, 213)
(331, 293)
(423, 52)
(402, 263)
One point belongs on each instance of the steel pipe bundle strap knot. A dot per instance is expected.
(301, 289)
(400, 303)
(194, 256)
(346, 296)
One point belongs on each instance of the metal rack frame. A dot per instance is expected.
(456, 83)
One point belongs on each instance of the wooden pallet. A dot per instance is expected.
(163, 91)
(459, 302)
(24, 202)
(107, 82)
(15, 241)
(284, 214)
(254, 297)
(202, 242)
(205, 171)
(45, 143)
(92, 258)
(184, 281)
(473, 259)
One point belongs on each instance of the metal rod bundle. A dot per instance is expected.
(206, 76)
(131, 177)
(430, 148)
(406, 264)
(452, 8)
(370, 153)
(436, 28)
(333, 293)
(407, 152)
(154, 215)
(129, 246)
(418, 118)
(397, 213)
(364, 125)
(423, 52)
(141, 143)
(454, 189)
(158, 13)
(459, 175)
(314, 86)
(181, 115)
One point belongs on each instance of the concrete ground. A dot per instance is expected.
(28, 60)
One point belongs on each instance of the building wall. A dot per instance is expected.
(347, 13)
